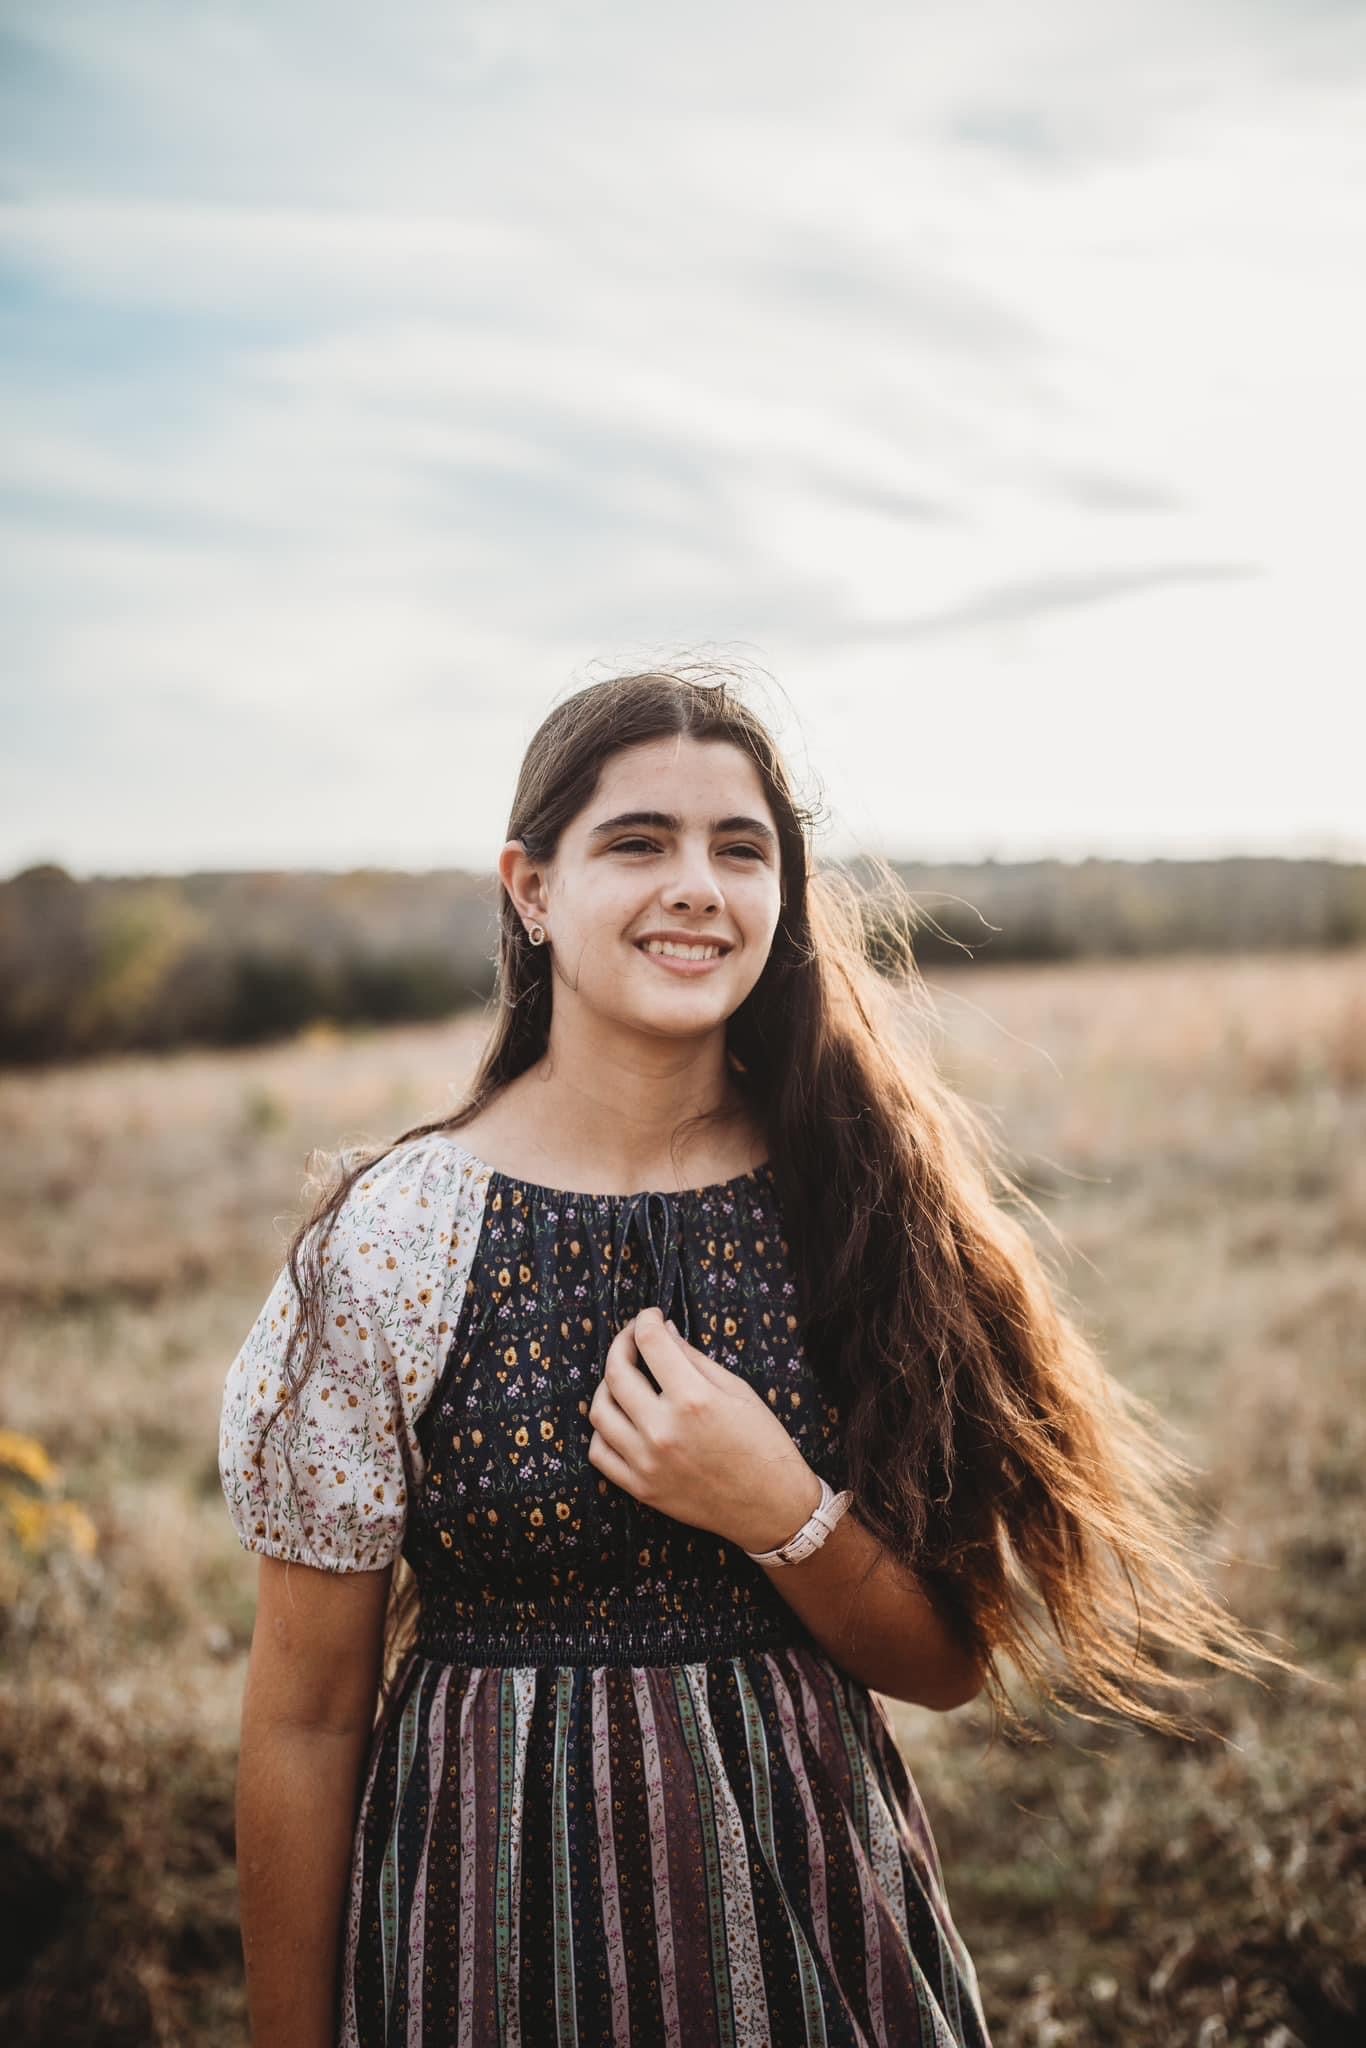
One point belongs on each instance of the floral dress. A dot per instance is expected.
(621, 1795)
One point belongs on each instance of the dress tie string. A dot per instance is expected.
(655, 1220)
(662, 1245)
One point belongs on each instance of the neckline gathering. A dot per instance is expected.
(762, 1170)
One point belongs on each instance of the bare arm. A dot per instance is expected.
(887, 1633)
(307, 1714)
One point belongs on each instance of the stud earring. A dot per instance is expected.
(536, 934)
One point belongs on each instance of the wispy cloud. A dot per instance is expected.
(1095, 491)
(1034, 598)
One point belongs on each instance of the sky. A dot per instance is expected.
(986, 380)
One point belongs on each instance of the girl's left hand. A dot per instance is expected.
(705, 1449)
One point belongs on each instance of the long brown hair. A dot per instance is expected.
(987, 1446)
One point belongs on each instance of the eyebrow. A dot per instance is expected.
(667, 821)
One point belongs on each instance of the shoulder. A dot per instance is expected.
(329, 1484)
(396, 1261)
(421, 1189)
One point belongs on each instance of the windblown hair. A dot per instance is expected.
(987, 1446)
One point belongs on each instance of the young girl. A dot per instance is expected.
(700, 1375)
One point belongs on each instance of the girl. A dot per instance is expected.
(708, 1391)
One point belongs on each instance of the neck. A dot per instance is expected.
(618, 1097)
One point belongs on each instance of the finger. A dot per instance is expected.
(613, 1421)
(710, 1368)
(687, 1363)
(626, 1372)
(664, 1351)
(603, 1458)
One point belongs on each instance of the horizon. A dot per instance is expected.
(1340, 858)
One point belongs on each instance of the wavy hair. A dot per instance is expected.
(988, 1447)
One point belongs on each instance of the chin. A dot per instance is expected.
(684, 1017)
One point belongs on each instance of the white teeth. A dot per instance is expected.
(671, 951)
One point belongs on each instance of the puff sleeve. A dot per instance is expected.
(328, 1485)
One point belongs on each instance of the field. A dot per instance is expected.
(1197, 1130)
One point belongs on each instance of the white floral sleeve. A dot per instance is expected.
(395, 1269)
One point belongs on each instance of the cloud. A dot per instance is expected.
(1097, 491)
(1037, 597)
(1023, 134)
(921, 302)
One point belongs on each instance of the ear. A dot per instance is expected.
(525, 882)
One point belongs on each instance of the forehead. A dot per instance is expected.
(701, 779)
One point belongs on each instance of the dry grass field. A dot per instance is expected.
(1196, 1129)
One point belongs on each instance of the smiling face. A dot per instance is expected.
(663, 897)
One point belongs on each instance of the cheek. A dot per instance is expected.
(758, 910)
(757, 917)
(600, 948)
(596, 924)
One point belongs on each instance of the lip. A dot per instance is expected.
(687, 968)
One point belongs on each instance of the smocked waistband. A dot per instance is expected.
(679, 1624)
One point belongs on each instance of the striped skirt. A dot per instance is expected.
(729, 1852)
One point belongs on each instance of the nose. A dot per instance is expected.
(693, 886)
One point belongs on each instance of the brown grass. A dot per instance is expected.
(1194, 1127)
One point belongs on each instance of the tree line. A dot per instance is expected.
(149, 963)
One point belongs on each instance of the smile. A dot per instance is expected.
(673, 951)
(679, 958)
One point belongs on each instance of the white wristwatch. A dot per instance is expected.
(813, 1532)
